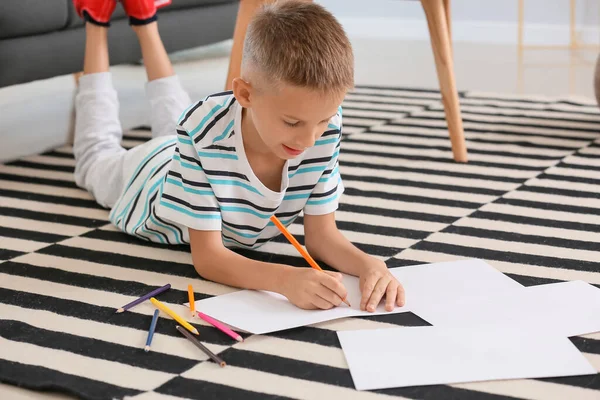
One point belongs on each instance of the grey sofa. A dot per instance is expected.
(40, 39)
(41, 46)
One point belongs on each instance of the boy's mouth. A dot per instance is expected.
(292, 151)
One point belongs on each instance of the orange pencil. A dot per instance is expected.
(191, 298)
(298, 247)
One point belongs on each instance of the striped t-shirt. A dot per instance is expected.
(201, 179)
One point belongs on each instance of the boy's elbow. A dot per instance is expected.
(203, 269)
(205, 264)
(312, 245)
(207, 252)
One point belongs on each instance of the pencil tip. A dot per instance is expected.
(223, 364)
(195, 331)
(147, 349)
(120, 310)
(239, 339)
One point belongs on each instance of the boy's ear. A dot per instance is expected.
(242, 91)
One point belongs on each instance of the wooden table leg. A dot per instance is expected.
(448, 12)
(442, 52)
(245, 13)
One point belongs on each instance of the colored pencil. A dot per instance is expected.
(220, 326)
(174, 315)
(143, 298)
(298, 247)
(151, 331)
(191, 298)
(199, 345)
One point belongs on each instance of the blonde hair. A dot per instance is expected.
(299, 43)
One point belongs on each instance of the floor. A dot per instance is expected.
(486, 68)
(493, 68)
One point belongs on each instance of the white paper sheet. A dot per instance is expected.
(425, 285)
(566, 308)
(398, 357)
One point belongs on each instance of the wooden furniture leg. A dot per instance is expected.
(435, 11)
(245, 13)
(448, 12)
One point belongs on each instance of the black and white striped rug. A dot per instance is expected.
(528, 202)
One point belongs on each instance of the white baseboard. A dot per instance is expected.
(466, 31)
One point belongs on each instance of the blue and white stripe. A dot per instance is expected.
(200, 179)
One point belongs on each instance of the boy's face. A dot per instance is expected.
(290, 119)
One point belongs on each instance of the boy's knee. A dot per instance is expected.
(81, 168)
(101, 176)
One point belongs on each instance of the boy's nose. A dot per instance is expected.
(306, 140)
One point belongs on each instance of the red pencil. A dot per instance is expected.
(220, 326)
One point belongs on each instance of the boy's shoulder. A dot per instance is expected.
(209, 118)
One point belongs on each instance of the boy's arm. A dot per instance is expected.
(217, 263)
(304, 287)
(325, 242)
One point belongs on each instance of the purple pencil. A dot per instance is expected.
(143, 298)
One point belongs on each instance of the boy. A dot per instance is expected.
(213, 177)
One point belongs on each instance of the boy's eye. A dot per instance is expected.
(291, 123)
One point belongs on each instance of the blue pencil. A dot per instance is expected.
(151, 331)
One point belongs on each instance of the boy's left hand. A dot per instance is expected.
(376, 281)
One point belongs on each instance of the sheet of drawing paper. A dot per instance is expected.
(566, 309)
(399, 357)
(263, 312)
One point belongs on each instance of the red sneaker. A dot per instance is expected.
(95, 11)
(141, 12)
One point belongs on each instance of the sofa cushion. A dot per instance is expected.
(32, 17)
(75, 21)
(29, 58)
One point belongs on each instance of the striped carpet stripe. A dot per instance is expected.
(528, 202)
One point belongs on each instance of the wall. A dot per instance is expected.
(490, 21)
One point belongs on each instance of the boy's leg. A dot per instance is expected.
(167, 97)
(97, 149)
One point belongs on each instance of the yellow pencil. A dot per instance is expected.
(191, 298)
(174, 315)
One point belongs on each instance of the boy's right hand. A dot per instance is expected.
(310, 289)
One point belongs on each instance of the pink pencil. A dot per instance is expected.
(220, 326)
